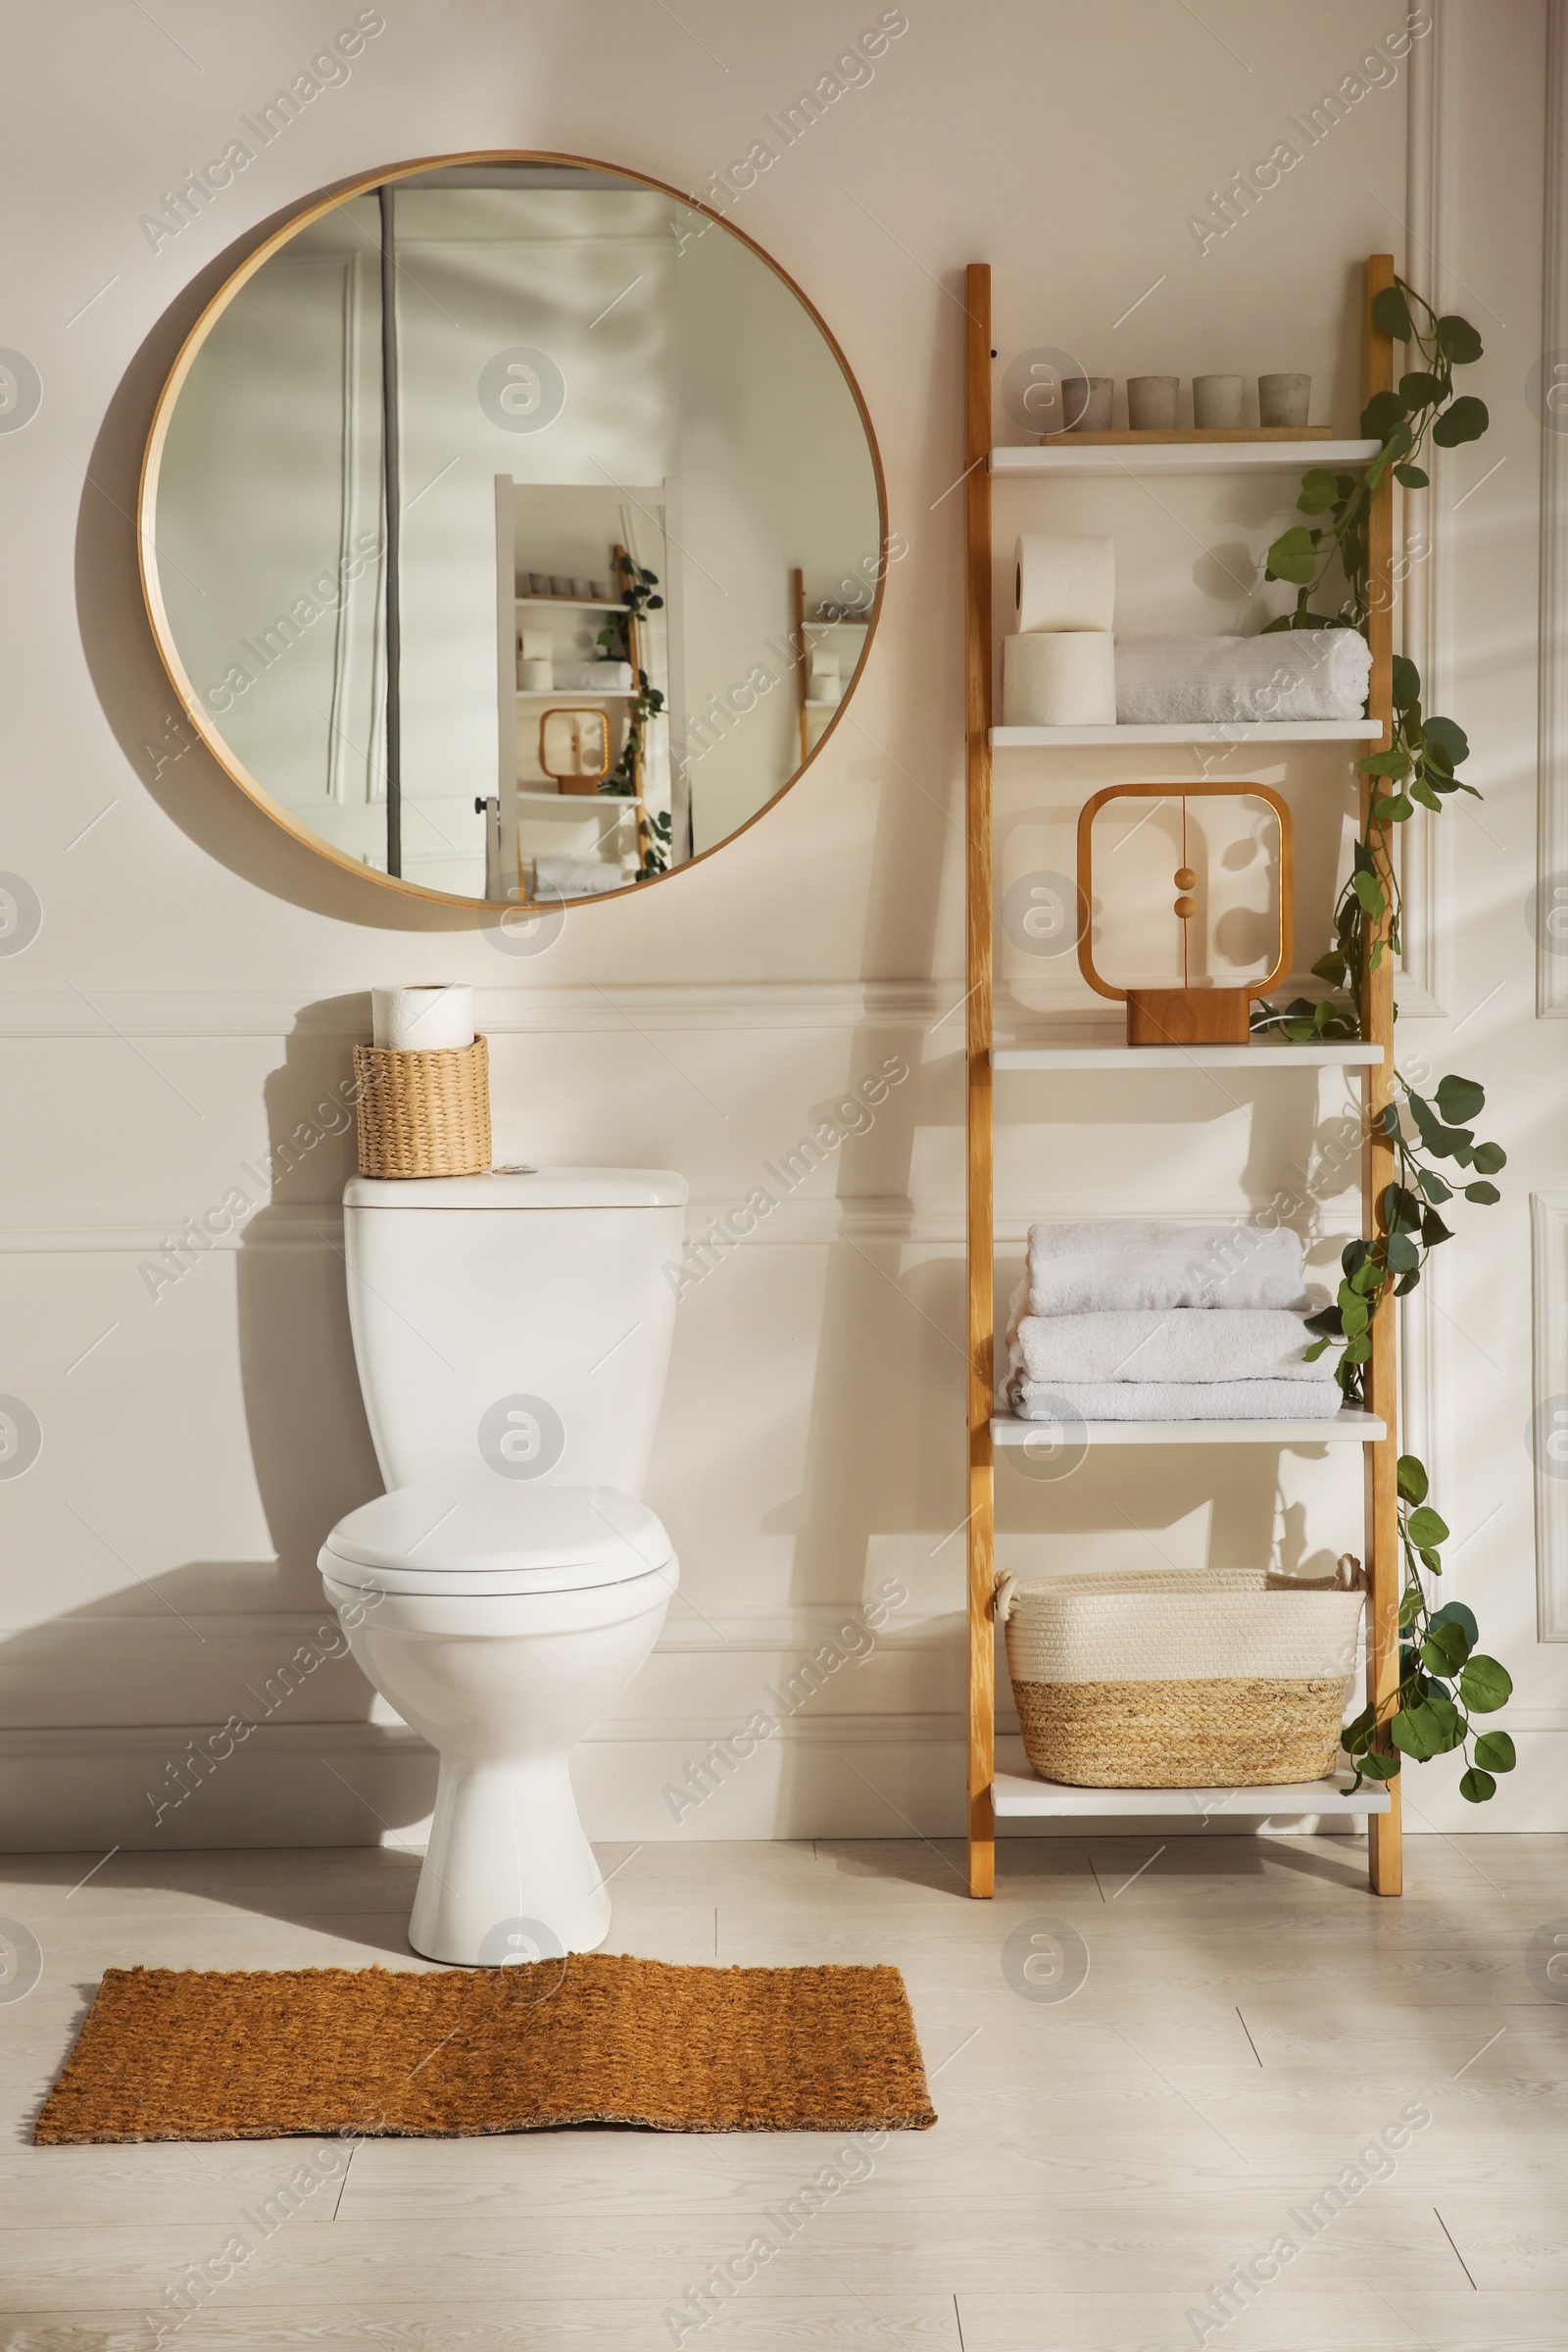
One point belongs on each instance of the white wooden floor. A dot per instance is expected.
(1251, 2019)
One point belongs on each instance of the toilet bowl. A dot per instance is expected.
(499, 1637)
(512, 1333)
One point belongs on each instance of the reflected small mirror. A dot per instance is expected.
(513, 529)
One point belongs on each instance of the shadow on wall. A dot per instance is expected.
(170, 762)
(293, 1749)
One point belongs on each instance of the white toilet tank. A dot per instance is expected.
(514, 1325)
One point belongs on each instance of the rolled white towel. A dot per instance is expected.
(1063, 1402)
(1293, 674)
(1179, 1343)
(574, 877)
(1082, 1269)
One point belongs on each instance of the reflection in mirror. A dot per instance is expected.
(513, 529)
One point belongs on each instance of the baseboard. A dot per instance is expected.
(832, 1775)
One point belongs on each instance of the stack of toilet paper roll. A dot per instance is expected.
(536, 663)
(825, 680)
(422, 1086)
(1059, 669)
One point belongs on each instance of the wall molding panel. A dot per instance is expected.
(1552, 845)
(1548, 1235)
(1424, 965)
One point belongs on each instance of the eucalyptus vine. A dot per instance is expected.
(1444, 1679)
(615, 641)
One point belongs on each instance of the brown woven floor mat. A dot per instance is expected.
(174, 2054)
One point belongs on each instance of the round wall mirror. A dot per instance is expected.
(512, 528)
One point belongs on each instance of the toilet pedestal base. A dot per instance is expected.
(509, 1875)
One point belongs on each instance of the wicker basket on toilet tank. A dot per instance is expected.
(1180, 1677)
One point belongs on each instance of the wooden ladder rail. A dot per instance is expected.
(1385, 1862)
(980, 1219)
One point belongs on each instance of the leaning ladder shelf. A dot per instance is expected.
(1005, 1787)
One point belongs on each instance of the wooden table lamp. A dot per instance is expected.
(574, 746)
(1204, 1014)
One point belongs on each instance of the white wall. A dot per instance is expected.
(198, 977)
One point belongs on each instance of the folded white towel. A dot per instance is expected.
(574, 877)
(1296, 673)
(1080, 1269)
(1175, 1400)
(593, 678)
(1179, 1343)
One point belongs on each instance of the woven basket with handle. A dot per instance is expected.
(423, 1114)
(1181, 1678)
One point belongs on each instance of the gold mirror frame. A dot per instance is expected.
(147, 505)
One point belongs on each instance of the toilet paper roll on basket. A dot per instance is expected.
(1062, 679)
(422, 1088)
(434, 1018)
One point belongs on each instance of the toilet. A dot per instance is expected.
(512, 1333)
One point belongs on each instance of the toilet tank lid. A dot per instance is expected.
(597, 1534)
(522, 1188)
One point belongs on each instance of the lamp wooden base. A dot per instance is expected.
(1188, 1016)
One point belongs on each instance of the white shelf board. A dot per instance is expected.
(1017, 1794)
(597, 694)
(1180, 456)
(816, 703)
(572, 604)
(1345, 1428)
(1301, 730)
(1351, 1056)
(577, 803)
(848, 623)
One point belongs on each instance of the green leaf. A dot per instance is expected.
(1485, 1685)
(1407, 683)
(1369, 891)
(1382, 414)
(1401, 1254)
(1434, 1230)
(1378, 1766)
(1457, 340)
(1459, 1099)
(1399, 1205)
(1435, 1187)
(1466, 420)
(1412, 477)
(1425, 1527)
(1477, 1785)
(1421, 388)
(1391, 313)
(1411, 1478)
(1484, 1195)
(1422, 790)
(1394, 763)
(1446, 1143)
(1489, 1158)
(1411, 1606)
(1319, 490)
(1454, 1612)
(1292, 557)
(1428, 1729)
(1393, 813)
(1431, 1562)
(1495, 1749)
(1444, 1649)
(1359, 1731)
(1445, 738)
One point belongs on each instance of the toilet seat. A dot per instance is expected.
(495, 1540)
